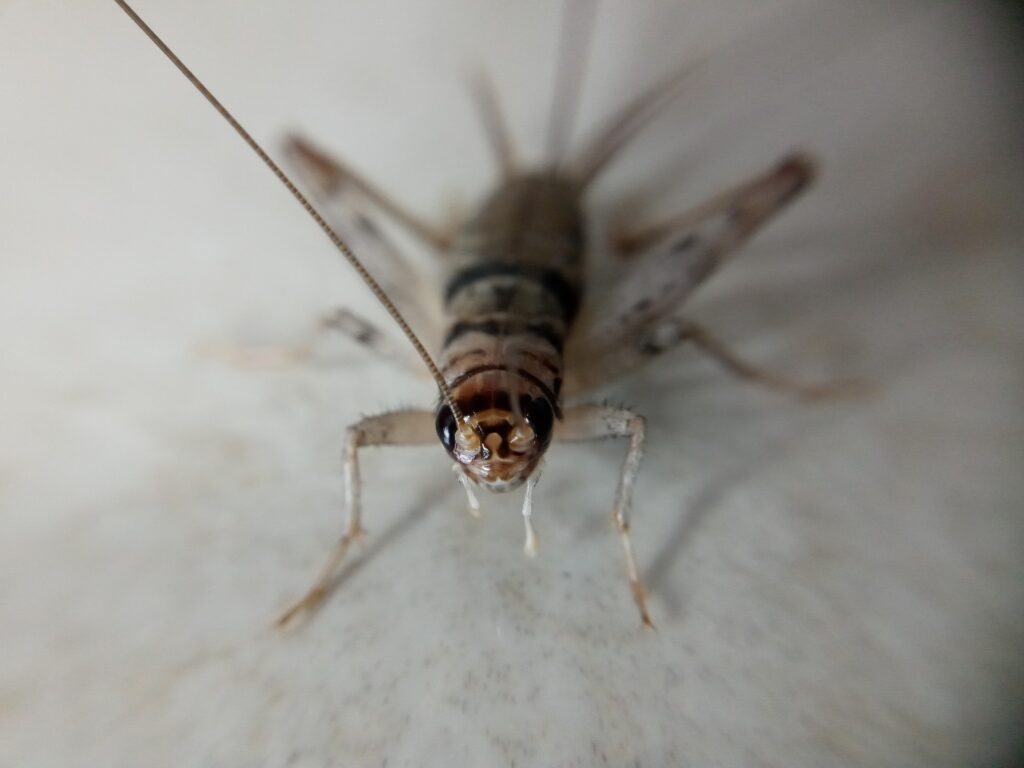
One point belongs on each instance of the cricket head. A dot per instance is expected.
(500, 440)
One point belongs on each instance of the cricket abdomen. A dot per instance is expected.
(514, 285)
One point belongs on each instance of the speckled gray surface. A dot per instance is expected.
(836, 585)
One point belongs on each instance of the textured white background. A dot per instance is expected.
(833, 585)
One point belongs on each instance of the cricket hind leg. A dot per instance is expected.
(686, 251)
(800, 169)
(575, 39)
(599, 422)
(574, 42)
(329, 177)
(395, 428)
(496, 129)
(404, 283)
(345, 202)
(623, 126)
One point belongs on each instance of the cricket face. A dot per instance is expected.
(498, 448)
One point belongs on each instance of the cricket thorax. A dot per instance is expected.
(511, 293)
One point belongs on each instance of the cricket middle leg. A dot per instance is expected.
(635, 351)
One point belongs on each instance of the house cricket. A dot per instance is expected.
(512, 351)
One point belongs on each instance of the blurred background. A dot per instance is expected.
(839, 584)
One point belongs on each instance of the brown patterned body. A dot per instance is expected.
(512, 293)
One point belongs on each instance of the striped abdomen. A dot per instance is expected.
(512, 292)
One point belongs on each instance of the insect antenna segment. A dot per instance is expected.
(333, 236)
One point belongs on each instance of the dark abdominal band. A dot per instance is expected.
(546, 331)
(551, 280)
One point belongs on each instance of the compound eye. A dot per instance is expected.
(541, 417)
(446, 428)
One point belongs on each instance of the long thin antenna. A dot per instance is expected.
(574, 46)
(334, 237)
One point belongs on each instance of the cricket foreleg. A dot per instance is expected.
(597, 422)
(405, 428)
